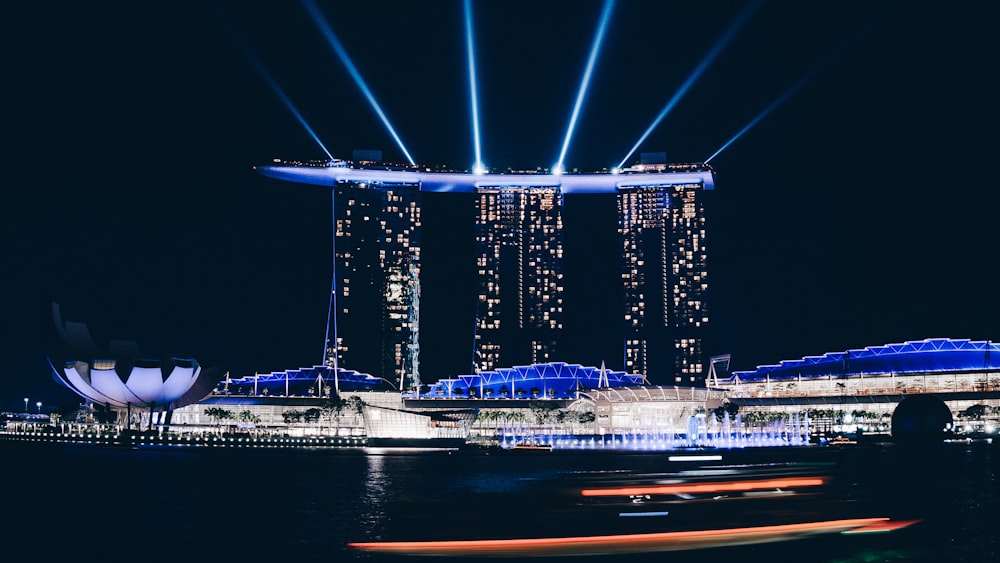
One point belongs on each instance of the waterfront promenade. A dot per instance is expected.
(154, 439)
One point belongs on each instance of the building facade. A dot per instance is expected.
(519, 236)
(519, 242)
(375, 302)
(940, 366)
(665, 281)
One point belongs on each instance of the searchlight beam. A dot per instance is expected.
(840, 48)
(266, 76)
(730, 32)
(478, 167)
(324, 27)
(559, 167)
(781, 99)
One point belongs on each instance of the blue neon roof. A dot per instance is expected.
(553, 379)
(916, 356)
(299, 381)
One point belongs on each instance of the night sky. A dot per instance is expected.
(860, 211)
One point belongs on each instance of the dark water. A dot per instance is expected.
(92, 504)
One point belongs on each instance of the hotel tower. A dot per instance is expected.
(375, 299)
(520, 267)
(665, 281)
(519, 242)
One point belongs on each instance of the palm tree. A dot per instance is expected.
(498, 417)
(312, 415)
(483, 417)
(248, 417)
(489, 416)
(512, 417)
(543, 411)
(975, 412)
(332, 407)
(355, 405)
(218, 414)
(564, 416)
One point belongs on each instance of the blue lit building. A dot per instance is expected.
(520, 265)
(665, 281)
(314, 381)
(554, 380)
(519, 236)
(936, 365)
(375, 303)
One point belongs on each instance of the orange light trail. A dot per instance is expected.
(715, 487)
(621, 543)
(881, 527)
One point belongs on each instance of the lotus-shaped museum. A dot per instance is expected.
(153, 384)
(119, 375)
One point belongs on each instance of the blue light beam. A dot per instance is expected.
(259, 67)
(288, 103)
(478, 167)
(709, 58)
(837, 51)
(781, 99)
(324, 27)
(609, 5)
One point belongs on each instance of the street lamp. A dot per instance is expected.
(25, 404)
(39, 405)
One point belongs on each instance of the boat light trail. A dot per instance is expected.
(324, 27)
(730, 32)
(881, 527)
(620, 543)
(559, 166)
(477, 167)
(695, 458)
(715, 487)
(264, 74)
(643, 514)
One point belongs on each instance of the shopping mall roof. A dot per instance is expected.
(916, 356)
(300, 381)
(552, 379)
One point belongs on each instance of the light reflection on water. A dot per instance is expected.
(374, 486)
(261, 505)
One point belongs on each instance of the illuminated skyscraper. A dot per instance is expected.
(375, 306)
(519, 317)
(519, 240)
(665, 278)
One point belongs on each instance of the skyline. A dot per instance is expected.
(856, 213)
